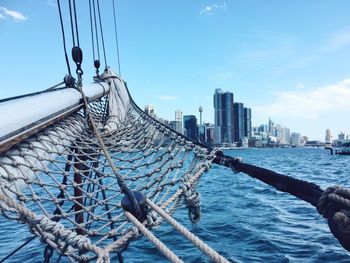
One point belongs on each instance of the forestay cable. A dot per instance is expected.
(116, 36)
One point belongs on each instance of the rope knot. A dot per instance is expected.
(192, 199)
(334, 204)
(332, 200)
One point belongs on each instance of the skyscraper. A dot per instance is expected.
(282, 134)
(190, 125)
(228, 117)
(238, 121)
(223, 117)
(328, 135)
(271, 127)
(296, 139)
(218, 118)
(209, 134)
(178, 121)
(248, 123)
(149, 109)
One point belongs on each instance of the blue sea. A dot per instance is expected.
(242, 218)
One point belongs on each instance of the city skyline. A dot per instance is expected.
(292, 68)
(283, 135)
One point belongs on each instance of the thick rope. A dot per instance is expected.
(160, 246)
(306, 191)
(211, 253)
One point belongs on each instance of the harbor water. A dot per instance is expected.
(242, 218)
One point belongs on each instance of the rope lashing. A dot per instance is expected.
(334, 205)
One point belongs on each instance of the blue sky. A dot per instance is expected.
(288, 60)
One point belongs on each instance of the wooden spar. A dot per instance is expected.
(23, 117)
(79, 167)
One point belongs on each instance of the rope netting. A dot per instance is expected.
(59, 183)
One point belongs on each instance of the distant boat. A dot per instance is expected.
(344, 149)
(343, 152)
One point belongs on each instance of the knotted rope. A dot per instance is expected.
(334, 205)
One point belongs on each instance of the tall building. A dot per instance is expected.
(287, 136)
(228, 117)
(248, 123)
(149, 109)
(201, 133)
(190, 125)
(238, 121)
(341, 136)
(296, 139)
(328, 135)
(263, 128)
(218, 117)
(271, 127)
(282, 134)
(223, 117)
(178, 121)
(172, 125)
(209, 133)
(200, 115)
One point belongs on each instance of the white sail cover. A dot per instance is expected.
(119, 101)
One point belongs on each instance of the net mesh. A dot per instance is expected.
(59, 183)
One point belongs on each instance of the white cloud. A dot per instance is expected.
(2, 16)
(309, 104)
(300, 85)
(338, 41)
(17, 16)
(51, 3)
(208, 10)
(167, 97)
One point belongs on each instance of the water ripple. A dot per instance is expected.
(243, 219)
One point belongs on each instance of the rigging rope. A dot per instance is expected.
(76, 23)
(102, 37)
(63, 36)
(92, 33)
(116, 36)
(71, 22)
(96, 31)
